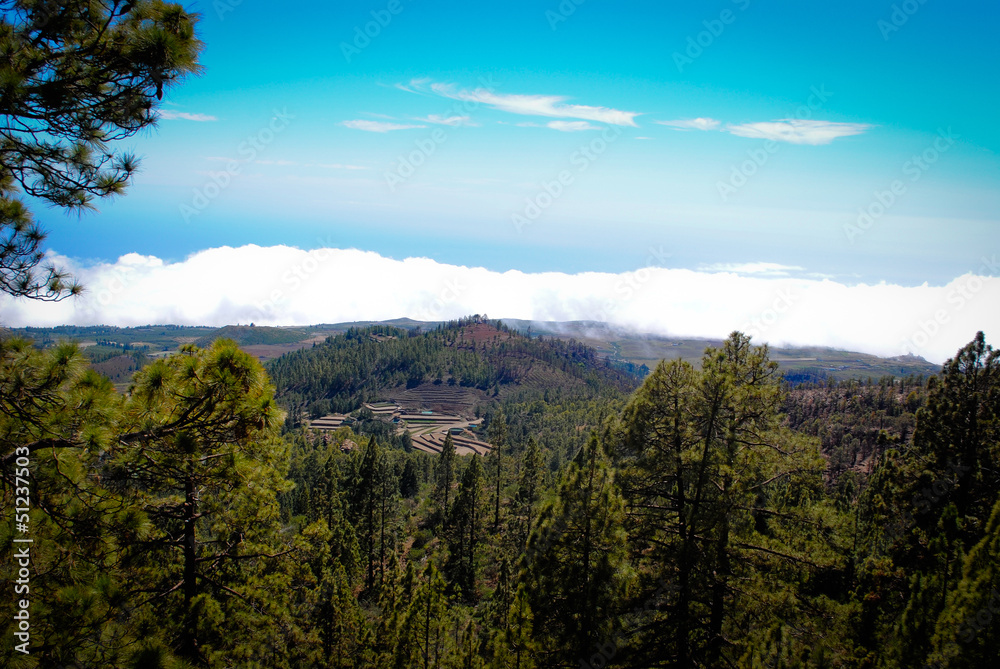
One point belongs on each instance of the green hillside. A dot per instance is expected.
(250, 335)
(366, 364)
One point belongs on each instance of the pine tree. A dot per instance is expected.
(373, 509)
(465, 531)
(498, 439)
(927, 506)
(202, 451)
(968, 630)
(958, 437)
(576, 561)
(57, 418)
(514, 644)
(408, 485)
(720, 502)
(528, 494)
(444, 477)
(77, 76)
(420, 638)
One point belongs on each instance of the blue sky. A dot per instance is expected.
(937, 71)
(742, 136)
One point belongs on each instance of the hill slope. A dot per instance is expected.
(248, 335)
(799, 364)
(464, 363)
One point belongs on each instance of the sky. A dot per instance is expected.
(813, 173)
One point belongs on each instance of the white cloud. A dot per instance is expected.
(528, 105)
(288, 286)
(338, 166)
(379, 126)
(448, 120)
(760, 268)
(798, 131)
(170, 115)
(571, 126)
(692, 124)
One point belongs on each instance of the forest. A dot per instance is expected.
(176, 511)
(715, 516)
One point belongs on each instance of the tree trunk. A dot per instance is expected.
(189, 641)
(715, 638)
(496, 515)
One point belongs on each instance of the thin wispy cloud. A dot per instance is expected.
(554, 106)
(288, 163)
(798, 131)
(171, 115)
(416, 85)
(793, 131)
(219, 286)
(571, 126)
(757, 268)
(338, 166)
(448, 120)
(379, 126)
(692, 124)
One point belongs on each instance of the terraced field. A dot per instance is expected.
(439, 397)
(434, 442)
(541, 375)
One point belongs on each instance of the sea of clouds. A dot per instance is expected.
(282, 285)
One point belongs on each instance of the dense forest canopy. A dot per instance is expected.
(360, 365)
(715, 517)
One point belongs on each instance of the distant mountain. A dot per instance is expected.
(249, 335)
(617, 346)
(452, 367)
(799, 364)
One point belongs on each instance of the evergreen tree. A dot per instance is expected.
(420, 642)
(958, 438)
(203, 454)
(57, 418)
(408, 484)
(373, 509)
(514, 644)
(444, 477)
(498, 439)
(722, 506)
(466, 530)
(928, 505)
(77, 76)
(528, 494)
(968, 630)
(576, 570)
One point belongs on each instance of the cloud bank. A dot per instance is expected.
(281, 285)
